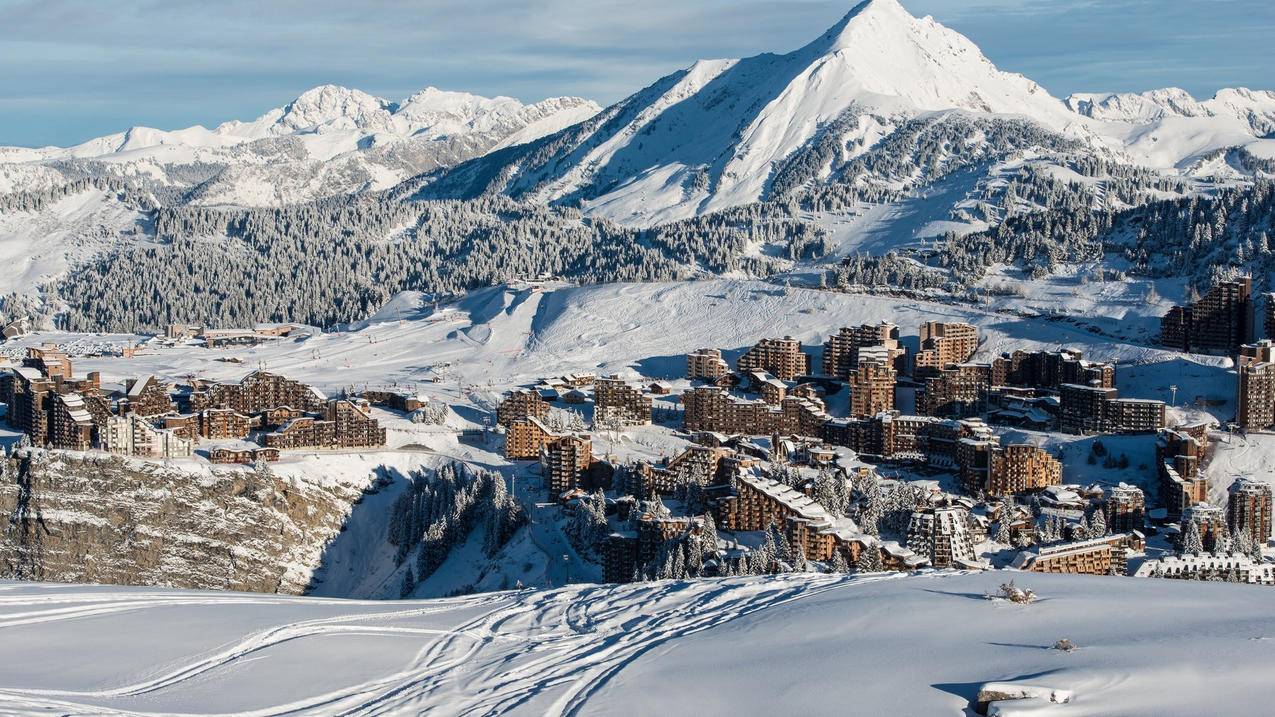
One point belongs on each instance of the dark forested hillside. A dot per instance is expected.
(339, 260)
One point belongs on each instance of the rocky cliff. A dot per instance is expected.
(97, 519)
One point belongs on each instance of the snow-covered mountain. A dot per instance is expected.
(1256, 108)
(328, 141)
(722, 132)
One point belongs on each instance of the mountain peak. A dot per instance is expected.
(333, 104)
(865, 17)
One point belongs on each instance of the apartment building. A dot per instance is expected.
(698, 465)
(958, 391)
(31, 392)
(146, 396)
(242, 454)
(841, 350)
(519, 405)
(620, 403)
(71, 425)
(1100, 556)
(1209, 567)
(1255, 400)
(1049, 370)
(944, 344)
(563, 459)
(222, 424)
(257, 392)
(525, 438)
(710, 408)
(872, 382)
(1179, 457)
(759, 502)
(942, 534)
(620, 557)
(1248, 508)
(783, 358)
(1219, 322)
(1125, 508)
(342, 424)
(1094, 409)
(986, 466)
(1209, 519)
(707, 365)
(398, 399)
(133, 435)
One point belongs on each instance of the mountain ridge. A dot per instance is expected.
(717, 134)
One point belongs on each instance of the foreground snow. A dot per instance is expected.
(790, 645)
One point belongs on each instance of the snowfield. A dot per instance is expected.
(795, 644)
(505, 336)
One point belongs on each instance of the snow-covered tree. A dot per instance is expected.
(1191, 541)
(870, 560)
(1098, 525)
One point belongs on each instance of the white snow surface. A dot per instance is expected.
(349, 114)
(518, 334)
(346, 141)
(713, 135)
(38, 246)
(793, 644)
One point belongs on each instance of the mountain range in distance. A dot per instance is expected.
(884, 134)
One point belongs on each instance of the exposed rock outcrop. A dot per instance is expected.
(98, 519)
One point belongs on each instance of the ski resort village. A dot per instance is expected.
(864, 377)
(876, 448)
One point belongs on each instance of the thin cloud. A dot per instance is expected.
(172, 63)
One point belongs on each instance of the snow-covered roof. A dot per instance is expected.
(31, 374)
(140, 385)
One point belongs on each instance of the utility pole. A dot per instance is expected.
(1173, 393)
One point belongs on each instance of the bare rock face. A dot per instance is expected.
(96, 519)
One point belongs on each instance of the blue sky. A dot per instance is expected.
(75, 69)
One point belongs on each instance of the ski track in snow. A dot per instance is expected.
(531, 652)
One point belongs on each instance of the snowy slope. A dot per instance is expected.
(38, 245)
(339, 140)
(717, 134)
(796, 644)
(512, 335)
(710, 136)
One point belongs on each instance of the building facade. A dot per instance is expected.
(1248, 508)
(707, 365)
(944, 344)
(617, 401)
(1219, 322)
(1255, 400)
(519, 405)
(563, 459)
(783, 358)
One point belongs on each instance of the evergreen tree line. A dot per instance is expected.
(336, 261)
(438, 510)
(1202, 238)
(919, 152)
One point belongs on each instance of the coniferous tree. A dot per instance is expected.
(408, 585)
(870, 560)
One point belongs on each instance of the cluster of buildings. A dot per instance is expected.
(563, 455)
(156, 419)
(227, 338)
(772, 391)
